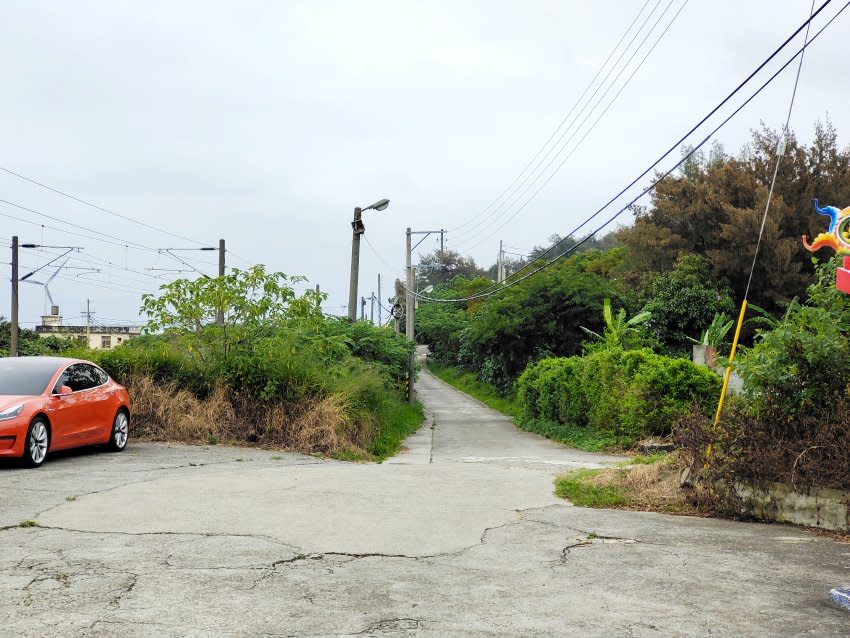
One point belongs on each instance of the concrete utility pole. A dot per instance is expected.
(372, 309)
(500, 270)
(380, 315)
(13, 336)
(362, 308)
(219, 315)
(88, 322)
(358, 229)
(409, 311)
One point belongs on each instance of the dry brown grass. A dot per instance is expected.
(653, 487)
(163, 411)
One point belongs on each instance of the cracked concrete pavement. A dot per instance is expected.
(459, 535)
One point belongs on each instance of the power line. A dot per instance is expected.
(124, 242)
(61, 230)
(579, 143)
(497, 288)
(512, 201)
(563, 121)
(678, 143)
(96, 206)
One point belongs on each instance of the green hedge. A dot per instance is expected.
(627, 393)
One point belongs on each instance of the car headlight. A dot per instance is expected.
(11, 413)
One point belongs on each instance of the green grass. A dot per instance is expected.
(574, 488)
(646, 459)
(399, 419)
(484, 392)
(572, 435)
(29, 523)
(70, 498)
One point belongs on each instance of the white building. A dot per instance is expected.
(97, 337)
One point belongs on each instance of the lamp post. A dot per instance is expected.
(358, 229)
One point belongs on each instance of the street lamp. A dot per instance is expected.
(358, 229)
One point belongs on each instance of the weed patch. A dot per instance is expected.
(580, 491)
(645, 485)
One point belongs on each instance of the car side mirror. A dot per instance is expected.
(64, 390)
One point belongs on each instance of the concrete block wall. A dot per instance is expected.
(824, 508)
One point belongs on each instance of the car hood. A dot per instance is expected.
(8, 400)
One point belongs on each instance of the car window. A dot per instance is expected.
(100, 375)
(80, 376)
(25, 375)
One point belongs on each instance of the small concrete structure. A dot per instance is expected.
(824, 508)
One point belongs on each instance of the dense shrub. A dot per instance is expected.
(801, 362)
(628, 393)
(803, 451)
(285, 373)
(792, 422)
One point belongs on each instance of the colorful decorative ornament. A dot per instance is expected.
(837, 238)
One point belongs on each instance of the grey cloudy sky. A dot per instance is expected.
(265, 123)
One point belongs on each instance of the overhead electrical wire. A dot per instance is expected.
(613, 100)
(123, 242)
(499, 287)
(563, 121)
(97, 207)
(677, 144)
(484, 226)
(780, 153)
(61, 230)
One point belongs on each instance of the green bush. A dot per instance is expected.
(628, 394)
(800, 363)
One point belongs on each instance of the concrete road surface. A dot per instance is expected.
(457, 536)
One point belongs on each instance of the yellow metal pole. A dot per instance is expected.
(726, 376)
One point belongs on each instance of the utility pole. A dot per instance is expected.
(409, 312)
(13, 335)
(500, 269)
(88, 322)
(358, 229)
(362, 308)
(380, 314)
(396, 309)
(219, 314)
(372, 309)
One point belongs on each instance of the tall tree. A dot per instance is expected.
(713, 207)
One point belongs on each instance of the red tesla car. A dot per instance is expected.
(54, 403)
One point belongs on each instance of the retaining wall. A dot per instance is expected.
(824, 508)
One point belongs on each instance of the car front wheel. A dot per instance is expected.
(120, 432)
(38, 440)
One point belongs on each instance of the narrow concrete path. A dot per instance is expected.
(464, 429)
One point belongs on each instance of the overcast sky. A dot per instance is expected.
(266, 123)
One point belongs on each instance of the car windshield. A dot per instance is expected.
(26, 375)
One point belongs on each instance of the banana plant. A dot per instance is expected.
(716, 332)
(619, 331)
